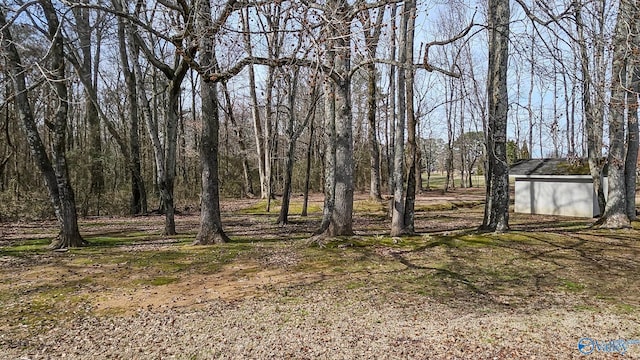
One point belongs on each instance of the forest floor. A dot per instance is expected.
(446, 293)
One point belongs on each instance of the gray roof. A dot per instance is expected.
(550, 167)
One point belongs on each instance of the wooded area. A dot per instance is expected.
(117, 107)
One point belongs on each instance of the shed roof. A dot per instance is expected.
(550, 167)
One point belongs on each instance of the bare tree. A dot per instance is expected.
(164, 152)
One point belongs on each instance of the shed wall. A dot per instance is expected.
(566, 196)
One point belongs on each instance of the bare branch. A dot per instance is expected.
(552, 18)
(255, 60)
(457, 37)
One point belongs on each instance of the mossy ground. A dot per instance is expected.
(543, 262)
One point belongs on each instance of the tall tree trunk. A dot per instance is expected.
(392, 105)
(92, 118)
(497, 207)
(255, 108)
(413, 166)
(593, 119)
(615, 213)
(631, 162)
(631, 165)
(342, 217)
(55, 174)
(167, 183)
(283, 217)
(268, 134)
(372, 37)
(138, 201)
(211, 231)
(398, 208)
(374, 147)
(307, 172)
(329, 143)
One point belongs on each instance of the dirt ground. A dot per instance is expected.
(536, 292)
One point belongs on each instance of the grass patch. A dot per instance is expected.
(572, 286)
(26, 247)
(260, 208)
(369, 207)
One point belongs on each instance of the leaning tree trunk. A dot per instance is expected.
(55, 174)
(615, 213)
(210, 220)
(497, 207)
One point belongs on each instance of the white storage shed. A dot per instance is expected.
(555, 187)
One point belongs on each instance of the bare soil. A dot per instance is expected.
(446, 293)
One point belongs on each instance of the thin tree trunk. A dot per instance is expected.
(307, 176)
(138, 202)
(92, 118)
(372, 38)
(631, 162)
(255, 108)
(593, 120)
(392, 105)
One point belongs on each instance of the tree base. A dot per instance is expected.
(211, 238)
(67, 241)
(615, 221)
